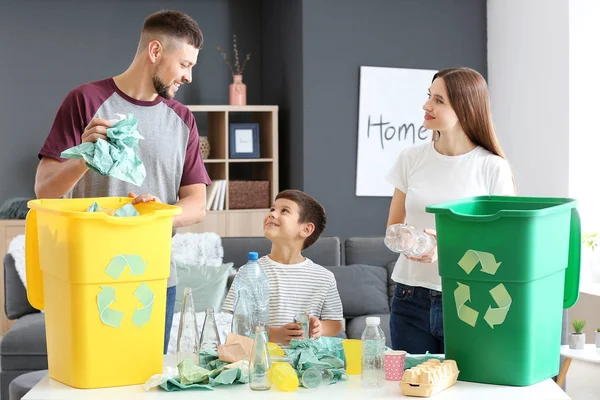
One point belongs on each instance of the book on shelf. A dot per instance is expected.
(211, 192)
(222, 191)
(215, 195)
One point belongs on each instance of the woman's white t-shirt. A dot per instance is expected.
(427, 178)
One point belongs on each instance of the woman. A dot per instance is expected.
(463, 160)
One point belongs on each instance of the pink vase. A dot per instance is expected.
(237, 92)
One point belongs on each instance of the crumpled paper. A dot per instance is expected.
(210, 373)
(236, 348)
(125, 211)
(116, 156)
(326, 352)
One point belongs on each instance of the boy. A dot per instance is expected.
(296, 284)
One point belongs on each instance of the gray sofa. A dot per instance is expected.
(363, 282)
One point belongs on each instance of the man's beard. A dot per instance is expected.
(161, 88)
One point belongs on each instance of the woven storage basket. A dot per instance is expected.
(249, 194)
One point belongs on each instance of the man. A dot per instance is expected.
(167, 52)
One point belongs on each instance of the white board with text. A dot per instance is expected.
(390, 118)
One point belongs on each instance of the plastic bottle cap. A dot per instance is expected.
(253, 256)
(373, 320)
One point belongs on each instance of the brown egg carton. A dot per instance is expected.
(429, 378)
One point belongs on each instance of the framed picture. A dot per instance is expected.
(244, 141)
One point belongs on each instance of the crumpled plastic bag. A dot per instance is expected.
(326, 352)
(116, 156)
(159, 379)
(210, 373)
(125, 211)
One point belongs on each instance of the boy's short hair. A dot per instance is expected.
(310, 210)
(173, 24)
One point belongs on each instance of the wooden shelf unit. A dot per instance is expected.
(220, 166)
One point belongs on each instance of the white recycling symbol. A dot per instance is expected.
(462, 294)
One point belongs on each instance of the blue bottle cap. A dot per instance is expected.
(253, 256)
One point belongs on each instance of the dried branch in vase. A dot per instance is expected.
(237, 70)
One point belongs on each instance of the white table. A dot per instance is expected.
(589, 354)
(49, 389)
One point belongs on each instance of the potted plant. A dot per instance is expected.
(577, 338)
(598, 338)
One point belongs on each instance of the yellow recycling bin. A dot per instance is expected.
(102, 282)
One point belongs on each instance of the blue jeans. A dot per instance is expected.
(416, 324)
(171, 292)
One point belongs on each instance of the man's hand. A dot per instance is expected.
(144, 198)
(95, 130)
(430, 257)
(286, 333)
(315, 328)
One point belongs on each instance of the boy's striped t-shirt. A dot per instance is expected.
(295, 288)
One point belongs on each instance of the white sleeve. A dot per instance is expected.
(398, 175)
(501, 179)
(332, 307)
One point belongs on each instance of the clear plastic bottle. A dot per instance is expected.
(210, 333)
(401, 238)
(373, 350)
(260, 361)
(255, 282)
(241, 322)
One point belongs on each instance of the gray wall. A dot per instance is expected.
(282, 82)
(49, 47)
(338, 37)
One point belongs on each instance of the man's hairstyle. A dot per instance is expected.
(172, 24)
(310, 210)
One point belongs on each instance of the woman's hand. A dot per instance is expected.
(430, 257)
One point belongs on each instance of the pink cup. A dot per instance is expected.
(394, 364)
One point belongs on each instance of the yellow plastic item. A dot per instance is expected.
(353, 354)
(283, 376)
(68, 251)
(275, 350)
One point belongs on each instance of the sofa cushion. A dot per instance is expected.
(23, 347)
(325, 251)
(362, 288)
(356, 326)
(208, 285)
(15, 295)
(368, 250)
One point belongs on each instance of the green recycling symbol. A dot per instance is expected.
(462, 294)
(107, 295)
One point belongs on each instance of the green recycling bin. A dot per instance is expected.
(509, 265)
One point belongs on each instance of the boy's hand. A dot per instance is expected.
(315, 327)
(286, 333)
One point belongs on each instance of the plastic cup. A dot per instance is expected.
(353, 354)
(394, 364)
(283, 376)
